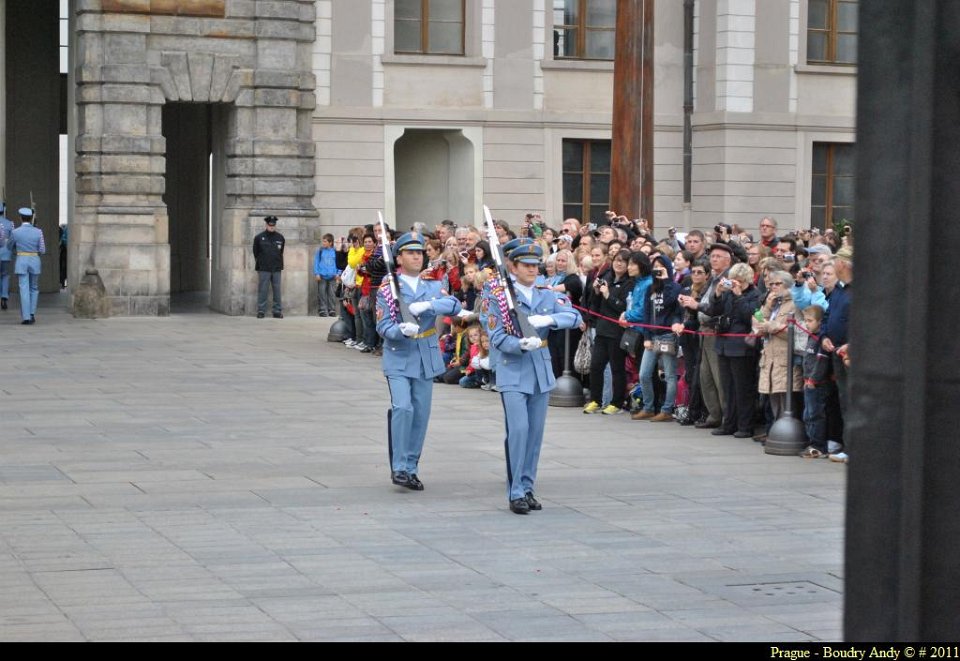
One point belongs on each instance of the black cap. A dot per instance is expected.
(270, 220)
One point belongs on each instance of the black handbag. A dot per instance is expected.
(631, 340)
(666, 346)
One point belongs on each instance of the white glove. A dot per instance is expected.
(409, 329)
(463, 314)
(416, 309)
(530, 343)
(540, 320)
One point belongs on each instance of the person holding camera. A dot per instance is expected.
(661, 309)
(733, 302)
(711, 383)
(609, 298)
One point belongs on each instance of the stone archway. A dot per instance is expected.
(135, 57)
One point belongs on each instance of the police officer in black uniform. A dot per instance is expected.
(268, 251)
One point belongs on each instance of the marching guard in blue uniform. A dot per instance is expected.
(6, 229)
(411, 357)
(524, 371)
(27, 242)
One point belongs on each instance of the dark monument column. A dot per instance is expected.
(903, 507)
(631, 177)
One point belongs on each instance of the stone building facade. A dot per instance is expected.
(164, 89)
(190, 120)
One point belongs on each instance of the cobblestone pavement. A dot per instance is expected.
(203, 477)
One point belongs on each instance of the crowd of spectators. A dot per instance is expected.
(686, 328)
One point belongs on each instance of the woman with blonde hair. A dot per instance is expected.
(776, 364)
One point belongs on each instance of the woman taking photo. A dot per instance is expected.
(609, 299)
(734, 300)
(661, 309)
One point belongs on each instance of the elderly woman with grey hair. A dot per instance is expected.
(733, 301)
(776, 358)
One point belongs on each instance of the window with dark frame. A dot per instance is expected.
(831, 200)
(584, 29)
(832, 31)
(586, 179)
(429, 27)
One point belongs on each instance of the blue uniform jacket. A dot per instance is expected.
(528, 372)
(6, 229)
(25, 239)
(414, 357)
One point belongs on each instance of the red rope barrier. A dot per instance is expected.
(634, 324)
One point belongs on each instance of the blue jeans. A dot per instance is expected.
(815, 415)
(647, 365)
(471, 380)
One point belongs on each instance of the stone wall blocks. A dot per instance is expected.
(308, 13)
(126, 23)
(176, 64)
(84, 6)
(133, 184)
(227, 29)
(88, 74)
(276, 98)
(132, 164)
(124, 73)
(245, 99)
(278, 9)
(127, 144)
(281, 187)
(138, 94)
(87, 164)
(241, 9)
(308, 82)
(89, 22)
(125, 48)
(277, 79)
(200, 67)
(239, 147)
(174, 25)
(308, 101)
(223, 66)
(286, 30)
(239, 79)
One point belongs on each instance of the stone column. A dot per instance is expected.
(251, 60)
(120, 223)
(270, 161)
(903, 532)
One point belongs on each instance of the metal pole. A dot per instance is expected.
(787, 437)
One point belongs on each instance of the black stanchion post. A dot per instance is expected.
(787, 436)
(569, 391)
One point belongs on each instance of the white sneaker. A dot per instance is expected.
(349, 342)
(833, 447)
(840, 457)
(359, 346)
